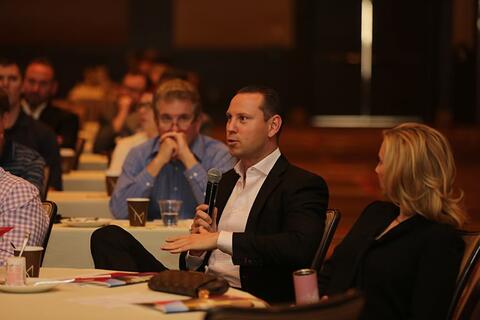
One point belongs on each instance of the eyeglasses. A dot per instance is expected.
(183, 121)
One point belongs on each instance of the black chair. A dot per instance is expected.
(331, 222)
(51, 209)
(347, 306)
(471, 310)
(45, 183)
(469, 273)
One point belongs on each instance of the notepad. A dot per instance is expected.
(116, 279)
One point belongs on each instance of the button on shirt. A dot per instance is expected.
(173, 181)
(234, 218)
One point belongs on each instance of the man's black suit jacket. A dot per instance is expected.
(39, 137)
(283, 230)
(65, 124)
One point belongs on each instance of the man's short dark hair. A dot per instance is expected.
(4, 103)
(4, 62)
(43, 61)
(271, 100)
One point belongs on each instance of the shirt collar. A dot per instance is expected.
(33, 113)
(264, 166)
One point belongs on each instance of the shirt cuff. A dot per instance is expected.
(196, 173)
(225, 242)
(145, 179)
(194, 262)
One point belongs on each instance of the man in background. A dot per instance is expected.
(147, 130)
(120, 120)
(39, 87)
(25, 130)
(15, 158)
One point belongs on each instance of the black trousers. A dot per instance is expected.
(113, 248)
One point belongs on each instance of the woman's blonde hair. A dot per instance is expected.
(419, 172)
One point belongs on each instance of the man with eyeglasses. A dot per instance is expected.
(148, 129)
(173, 165)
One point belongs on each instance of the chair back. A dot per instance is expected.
(347, 306)
(45, 183)
(51, 209)
(471, 310)
(331, 222)
(469, 274)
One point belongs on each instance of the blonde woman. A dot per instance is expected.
(404, 254)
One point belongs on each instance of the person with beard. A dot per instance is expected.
(39, 87)
(21, 128)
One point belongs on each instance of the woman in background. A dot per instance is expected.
(404, 255)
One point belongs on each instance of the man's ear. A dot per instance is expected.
(275, 123)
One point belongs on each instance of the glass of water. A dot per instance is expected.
(170, 209)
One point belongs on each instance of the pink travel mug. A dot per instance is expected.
(306, 286)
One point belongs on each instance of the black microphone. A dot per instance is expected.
(214, 176)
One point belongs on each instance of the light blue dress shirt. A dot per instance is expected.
(173, 181)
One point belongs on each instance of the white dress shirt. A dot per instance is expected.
(35, 114)
(234, 218)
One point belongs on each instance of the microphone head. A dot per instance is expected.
(214, 175)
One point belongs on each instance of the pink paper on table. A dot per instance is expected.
(4, 230)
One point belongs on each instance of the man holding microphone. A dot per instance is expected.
(270, 214)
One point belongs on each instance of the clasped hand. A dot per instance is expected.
(203, 234)
(174, 145)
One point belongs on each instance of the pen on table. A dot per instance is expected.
(13, 246)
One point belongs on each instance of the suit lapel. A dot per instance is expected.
(270, 183)
(225, 189)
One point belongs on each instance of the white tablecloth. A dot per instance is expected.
(92, 161)
(73, 301)
(84, 180)
(70, 247)
(81, 203)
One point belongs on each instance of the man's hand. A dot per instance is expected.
(197, 241)
(202, 219)
(167, 151)
(184, 153)
(124, 104)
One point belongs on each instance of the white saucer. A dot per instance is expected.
(85, 222)
(30, 287)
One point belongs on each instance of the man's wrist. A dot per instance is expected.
(188, 159)
(156, 165)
